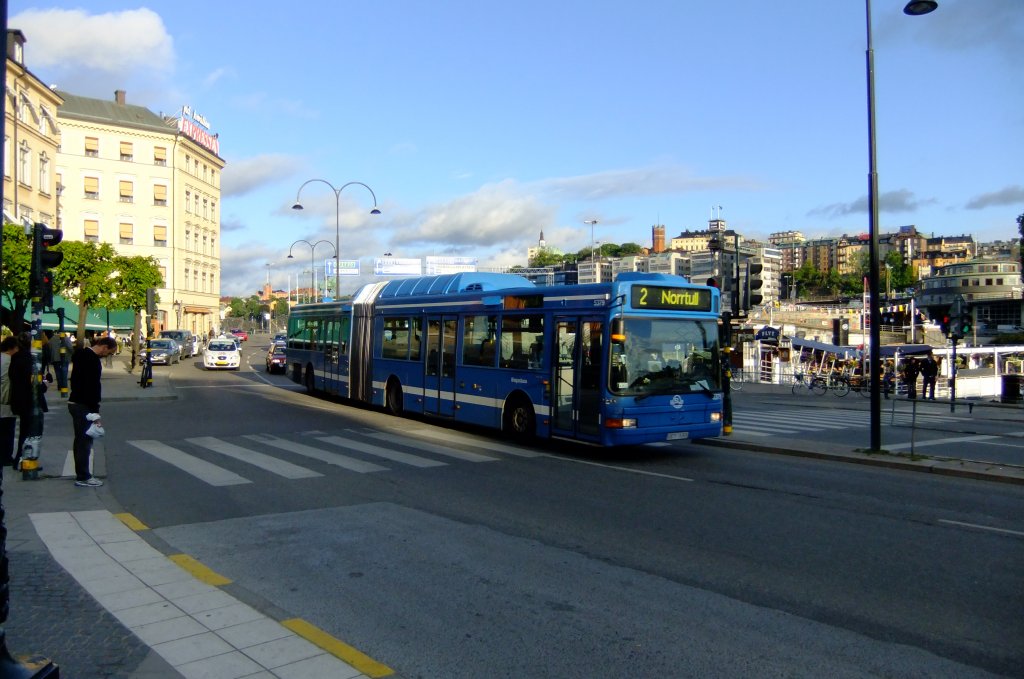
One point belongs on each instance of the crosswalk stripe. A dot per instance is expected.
(261, 460)
(337, 459)
(201, 469)
(474, 443)
(393, 455)
(788, 423)
(458, 454)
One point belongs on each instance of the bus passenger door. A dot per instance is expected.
(577, 382)
(439, 369)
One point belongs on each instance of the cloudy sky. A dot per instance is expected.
(479, 124)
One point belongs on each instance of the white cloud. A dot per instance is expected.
(643, 181)
(248, 174)
(1010, 195)
(114, 42)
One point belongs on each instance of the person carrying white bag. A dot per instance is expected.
(84, 403)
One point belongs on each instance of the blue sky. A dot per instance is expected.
(478, 124)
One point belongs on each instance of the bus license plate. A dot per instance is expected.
(677, 435)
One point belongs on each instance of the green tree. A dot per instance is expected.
(546, 257)
(131, 277)
(627, 249)
(1020, 248)
(86, 276)
(17, 261)
(237, 306)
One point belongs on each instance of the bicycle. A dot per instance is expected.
(812, 383)
(736, 381)
(839, 384)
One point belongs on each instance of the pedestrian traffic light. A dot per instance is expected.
(755, 294)
(44, 258)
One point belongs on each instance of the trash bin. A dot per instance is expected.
(1011, 388)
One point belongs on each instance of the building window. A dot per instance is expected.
(160, 235)
(160, 156)
(24, 164)
(44, 173)
(163, 274)
(205, 170)
(92, 230)
(213, 210)
(188, 202)
(7, 159)
(126, 191)
(186, 278)
(92, 147)
(127, 152)
(160, 195)
(206, 208)
(205, 239)
(126, 233)
(92, 188)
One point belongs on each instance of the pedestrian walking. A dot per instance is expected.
(86, 371)
(929, 375)
(8, 347)
(60, 357)
(23, 393)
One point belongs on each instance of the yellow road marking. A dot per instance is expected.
(356, 659)
(198, 570)
(130, 521)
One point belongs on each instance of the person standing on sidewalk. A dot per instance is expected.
(8, 348)
(60, 356)
(21, 374)
(929, 375)
(86, 371)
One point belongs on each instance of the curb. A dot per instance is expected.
(941, 466)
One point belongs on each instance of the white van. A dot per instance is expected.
(189, 343)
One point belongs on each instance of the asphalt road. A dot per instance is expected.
(573, 562)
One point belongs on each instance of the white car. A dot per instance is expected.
(222, 353)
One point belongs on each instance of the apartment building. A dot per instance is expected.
(31, 140)
(149, 186)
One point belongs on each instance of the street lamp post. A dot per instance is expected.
(312, 260)
(913, 8)
(337, 219)
(593, 260)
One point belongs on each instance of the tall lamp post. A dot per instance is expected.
(593, 259)
(912, 8)
(337, 219)
(312, 261)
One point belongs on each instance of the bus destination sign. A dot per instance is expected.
(680, 299)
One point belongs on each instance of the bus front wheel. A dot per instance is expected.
(519, 419)
(393, 398)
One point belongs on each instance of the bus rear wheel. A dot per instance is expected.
(519, 419)
(393, 399)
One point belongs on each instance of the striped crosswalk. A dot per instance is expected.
(793, 421)
(294, 458)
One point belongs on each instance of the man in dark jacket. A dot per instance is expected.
(21, 374)
(85, 397)
(929, 375)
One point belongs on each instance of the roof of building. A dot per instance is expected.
(112, 113)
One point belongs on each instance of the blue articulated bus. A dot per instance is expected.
(627, 362)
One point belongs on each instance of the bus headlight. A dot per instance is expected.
(716, 417)
(620, 423)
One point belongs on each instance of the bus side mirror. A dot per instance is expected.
(618, 331)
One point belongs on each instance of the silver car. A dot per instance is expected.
(163, 351)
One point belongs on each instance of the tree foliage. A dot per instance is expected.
(17, 261)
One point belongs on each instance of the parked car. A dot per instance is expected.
(240, 334)
(222, 353)
(276, 359)
(163, 351)
(188, 342)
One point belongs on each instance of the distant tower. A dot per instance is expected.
(540, 242)
(716, 223)
(658, 238)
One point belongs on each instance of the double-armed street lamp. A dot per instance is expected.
(337, 219)
(312, 260)
(912, 8)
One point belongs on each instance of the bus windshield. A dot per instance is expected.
(666, 356)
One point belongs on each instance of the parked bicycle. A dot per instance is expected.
(736, 380)
(838, 384)
(812, 383)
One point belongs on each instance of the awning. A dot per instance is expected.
(904, 349)
(95, 319)
(800, 343)
(197, 310)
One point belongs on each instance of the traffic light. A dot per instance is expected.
(755, 283)
(964, 324)
(712, 282)
(151, 302)
(944, 324)
(44, 258)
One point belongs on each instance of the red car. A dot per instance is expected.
(240, 334)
